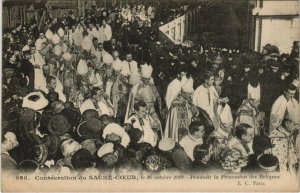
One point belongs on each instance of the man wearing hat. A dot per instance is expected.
(284, 140)
(179, 102)
(119, 91)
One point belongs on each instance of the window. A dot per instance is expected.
(9, 17)
(173, 33)
(179, 29)
(19, 14)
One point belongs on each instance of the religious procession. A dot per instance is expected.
(105, 93)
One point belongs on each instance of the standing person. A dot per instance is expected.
(146, 91)
(140, 121)
(71, 19)
(284, 105)
(28, 69)
(181, 111)
(284, 141)
(39, 43)
(38, 62)
(106, 30)
(206, 97)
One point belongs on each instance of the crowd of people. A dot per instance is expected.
(103, 93)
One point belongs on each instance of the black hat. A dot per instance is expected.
(90, 113)
(261, 143)
(59, 125)
(135, 134)
(82, 159)
(28, 166)
(27, 52)
(90, 129)
(53, 143)
(273, 63)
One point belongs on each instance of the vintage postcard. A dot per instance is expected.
(150, 96)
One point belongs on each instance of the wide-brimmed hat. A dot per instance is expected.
(105, 149)
(90, 129)
(59, 125)
(35, 101)
(155, 163)
(82, 159)
(53, 143)
(89, 113)
(38, 153)
(166, 144)
(118, 131)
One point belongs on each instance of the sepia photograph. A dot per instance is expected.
(150, 96)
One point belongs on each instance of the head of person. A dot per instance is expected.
(97, 25)
(29, 42)
(100, 46)
(96, 93)
(128, 57)
(69, 147)
(245, 132)
(115, 55)
(209, 79)
(51, 82)
(290, 91)
(113, 41)
(202, 153)
(11, 58)
(253, 78)
(32, 49)
(27, 55)
(103, 22)
(9, 141)
(42, 36)
(46, 70)
(196, 129)
(141, 109)
(289, 124)
(90, 67)
(95, 41)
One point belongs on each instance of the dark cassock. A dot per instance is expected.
(28, 70)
